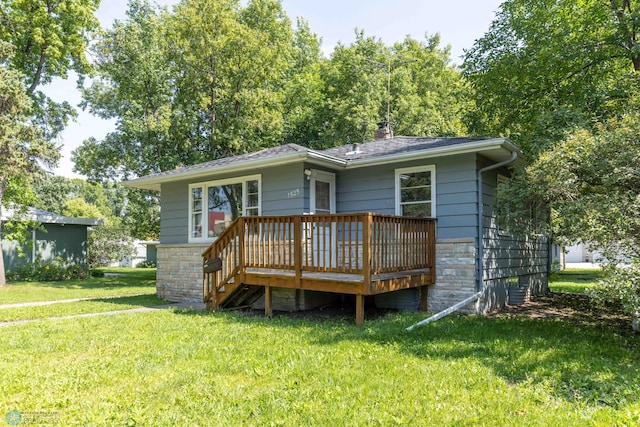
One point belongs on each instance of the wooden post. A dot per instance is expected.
(424, 290)
(268, 309)
(366, 250)
(242, 235)
(297, 249)
(359, 310)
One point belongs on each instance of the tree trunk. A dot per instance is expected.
(3, 185)
(3, 280)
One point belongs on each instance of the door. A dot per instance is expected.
(323, 193)
(322, 235)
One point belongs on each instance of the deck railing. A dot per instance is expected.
(363, 244)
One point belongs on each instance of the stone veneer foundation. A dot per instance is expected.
(179, 274)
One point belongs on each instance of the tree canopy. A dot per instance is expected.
(22, 147)
(214, 78)
(39, 40)
(546, 67)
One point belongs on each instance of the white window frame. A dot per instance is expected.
(426, 168)
(205, 202)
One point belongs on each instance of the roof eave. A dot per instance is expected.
(471, 147)
(153, 182)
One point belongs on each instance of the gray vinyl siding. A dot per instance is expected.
(373, 190)
(366, 190)
(283, 193)
(508, 254)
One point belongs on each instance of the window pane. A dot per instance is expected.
(323, 203)
(196, 199)
(196, 225)
(225, 205)
(252, 187)
(416, 194)
(252, 200)
(421, 210)
(415, 179)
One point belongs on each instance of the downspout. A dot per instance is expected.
(480, 256)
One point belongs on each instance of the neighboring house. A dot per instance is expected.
(53, 236)
(443, 178)
(142, 251)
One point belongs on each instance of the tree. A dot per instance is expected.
(411, 82)
(22, 147)
(591, 181)
(547, 67)
(50, 38)
(200, 83)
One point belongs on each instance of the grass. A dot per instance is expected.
(576, 280)
(185, 368)
(81, 307)
(129, 281)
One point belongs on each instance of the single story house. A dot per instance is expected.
(302, 213)
(52, 237)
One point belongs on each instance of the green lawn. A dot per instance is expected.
(130, 281)
(575, 280)
(167, 368)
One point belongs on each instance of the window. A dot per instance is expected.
(214, 205)
(416, 191)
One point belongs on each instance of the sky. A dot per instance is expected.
(459, 24)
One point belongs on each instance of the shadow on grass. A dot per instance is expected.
(577, 363)
(146, 300)
(123, 280)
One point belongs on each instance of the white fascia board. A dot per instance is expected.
(471, 147)
(153, 182)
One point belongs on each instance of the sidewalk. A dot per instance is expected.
(177, 306)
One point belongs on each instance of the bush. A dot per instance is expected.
(146, 264)
(621, 285)
(55, 270)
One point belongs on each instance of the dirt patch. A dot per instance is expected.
(571, 307)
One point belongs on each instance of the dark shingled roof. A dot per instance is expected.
(262, 154)
(341, 156)
(395, 145)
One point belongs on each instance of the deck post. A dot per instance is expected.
(297, 249)
(241, 248)
(424, 290)
(359, 310)
(432, 250)
(366, 250)
(268, 308)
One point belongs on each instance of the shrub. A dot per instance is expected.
(146, 264)
(55, 270)
(621, 285)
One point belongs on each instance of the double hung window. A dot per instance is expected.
(416, 192)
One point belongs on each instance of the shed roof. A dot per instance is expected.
(45, 217)
(342, 157)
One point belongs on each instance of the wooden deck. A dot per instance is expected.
(358, 254)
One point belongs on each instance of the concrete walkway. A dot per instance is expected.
(177, 306)
(61, 301)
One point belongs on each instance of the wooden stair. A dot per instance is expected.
(241, 296)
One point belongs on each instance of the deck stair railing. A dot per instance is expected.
(362, 244)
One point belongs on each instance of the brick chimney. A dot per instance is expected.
(384, 131)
